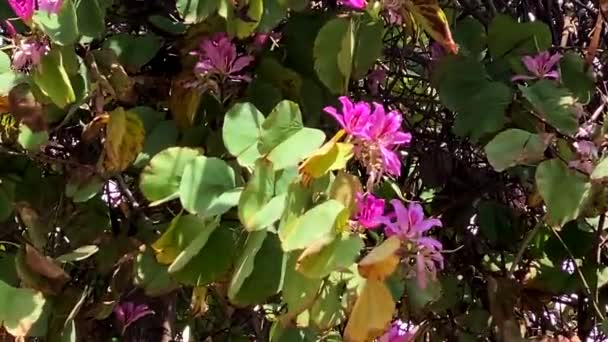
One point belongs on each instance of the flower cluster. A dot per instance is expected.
(29, 52)
(219, 61)
(409, 225)
(375, 133)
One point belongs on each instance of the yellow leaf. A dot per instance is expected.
(183, 102)
(165, 248)
(344, 189)
(382, 261)
(432, 19)
(198, 304)
(371, 314)
(331, 156)
(125, 136)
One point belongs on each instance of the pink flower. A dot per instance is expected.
(50, 6)
(428, 260)
(24, 9)
(355, 4)
(354, 118)
(218, 57)
(29, 52)
(128, 313)
(370, 210)
(540, 66)
(398, 332)
(409, 222)
(9, 29)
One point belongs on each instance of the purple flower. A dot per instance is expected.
(370, 210)
(540, 66)
(29, 52)
(354, 118)
(428, 260)
(410, 222)
(128, 313)
(218, 57)
(437, 52)
(355, 4)
(24, 9)
(50, 6)
(398, 332)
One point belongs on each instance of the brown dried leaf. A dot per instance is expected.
(125, 136)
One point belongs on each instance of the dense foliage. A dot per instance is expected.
(303, 170)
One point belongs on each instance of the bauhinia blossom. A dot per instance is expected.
(376, 135)
(370, 210)
(128, 313)
(29, 52)
(50, 6)
(540, 66)
(24, 9)
(398, 332)
(428, 260)
(409, 223)
(218, 58)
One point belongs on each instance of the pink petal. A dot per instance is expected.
(24, 9)
(427, 224)
(553, 61)
(415, 214)
(522, 78)
(241, 63)
(531, 64)
(332, 111)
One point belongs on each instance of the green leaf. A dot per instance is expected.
(133, 51)
(30, 140)
(193, 247)
(164, 135)
(62, 27)
(267, 276)
(418, 298)
(515, 147)
(315, 224)
(600, 173)
(368, 45)
(91, 18)
(575, 78)
(329, 56)
(299, 292)
(256, 196)
(345, 55)
(53, 80)
(151, 276)
(274, 12)
(319, 261)
(212, 262)
(554, 103)
(244, 27)
(554, 179)
(80, 191)
(241, 131)
(196, 11)
(22, 311)
(167, 25)
(480, 104)
(160, 179)
(80, 253)
(245, 262)
(204, 182)
(470, 35)
(508, 37)
(327, 312)
(8, 78)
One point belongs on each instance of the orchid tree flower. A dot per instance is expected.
(541, 66)
(370, 210)
(128, 313)
(399, 332)
(355, 4)
(217, 56)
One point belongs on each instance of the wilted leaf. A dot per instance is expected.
(382, 261)
(183, 102)
(45, 266)
(371, 314)
(125, 136)
(430, 16)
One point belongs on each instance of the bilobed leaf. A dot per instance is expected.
(195, 11)
(514, 147)
(183, 230)
(575, 77)
(125, 136)
(194, 246)
(161, 178)
(331, 156)
(315, 224)
(327, 311)
(554, 103)
(241, 132)
(431, 17)
(507, 37)
(203, 183)
(53, 80)
(257, 193)
(21, 310)
(382, 261)
(91, 18)
(299, 291)
(554, 179)
(245, 262)
(327, 255)
(371, 313)
(327, 53)
(368, 45)
(133, 51)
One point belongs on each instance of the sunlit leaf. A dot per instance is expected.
(382, 261)
(371, 314)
